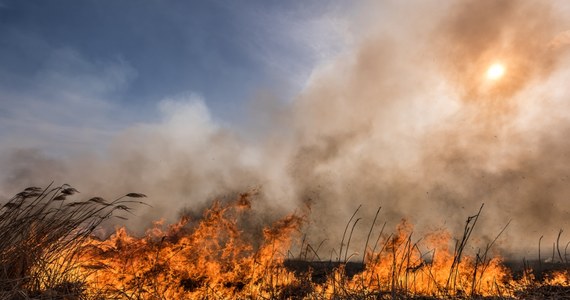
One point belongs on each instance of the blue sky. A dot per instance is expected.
(74, 73)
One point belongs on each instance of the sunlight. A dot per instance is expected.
(495, 71)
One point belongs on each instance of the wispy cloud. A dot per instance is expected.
(68, 105)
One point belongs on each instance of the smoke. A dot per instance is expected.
(406, 121)
(410, 122)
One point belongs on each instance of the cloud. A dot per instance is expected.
(69, 101)
(290, 39)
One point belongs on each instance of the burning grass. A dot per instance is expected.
(48, 251)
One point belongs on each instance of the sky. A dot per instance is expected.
(74, 73)
(317, 104)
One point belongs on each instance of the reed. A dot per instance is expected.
(41, 233)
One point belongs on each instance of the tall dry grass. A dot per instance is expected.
(40, 236)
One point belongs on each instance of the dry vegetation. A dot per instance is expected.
(41, 238)
(48, 251)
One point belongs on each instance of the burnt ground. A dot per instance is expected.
(321, 269)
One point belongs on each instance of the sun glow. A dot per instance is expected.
(495, 71)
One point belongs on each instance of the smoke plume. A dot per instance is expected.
(406, 120)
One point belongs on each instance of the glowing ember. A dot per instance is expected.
(495, 71)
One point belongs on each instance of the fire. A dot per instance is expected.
(402, 267)
(219, 257)
(495, 72)
(560, 278)
(206, 258)
(213, 259)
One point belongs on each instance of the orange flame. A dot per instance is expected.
(214, 258)
(210, 258)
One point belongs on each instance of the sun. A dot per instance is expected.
(495, 71)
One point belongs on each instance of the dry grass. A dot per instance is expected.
(40, 237)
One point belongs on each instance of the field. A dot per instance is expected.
(50, 250)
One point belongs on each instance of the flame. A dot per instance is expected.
(559, 278)
(215, 257)
(207, 258)
(403, 267)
